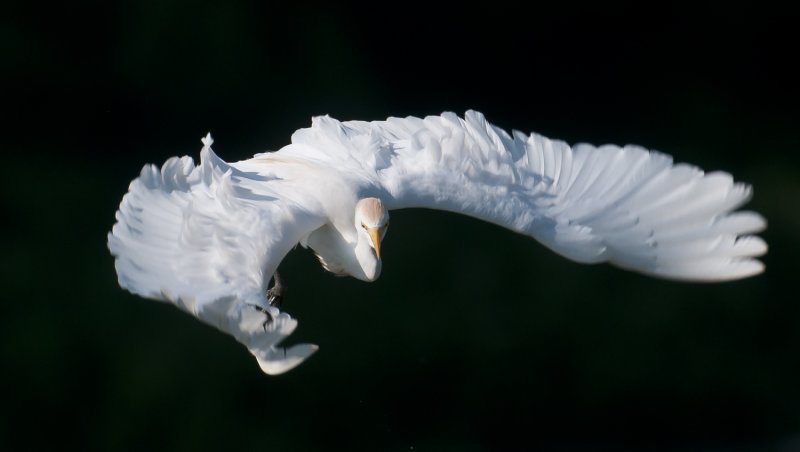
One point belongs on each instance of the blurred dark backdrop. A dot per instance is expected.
(474, 338)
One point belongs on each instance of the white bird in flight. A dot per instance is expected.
(209, 237)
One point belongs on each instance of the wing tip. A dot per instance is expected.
(280, 360)
(731, 270)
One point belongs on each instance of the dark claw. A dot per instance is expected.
(275, 297)
(266, 312)
(275, 294)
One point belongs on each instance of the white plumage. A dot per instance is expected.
(209, 237)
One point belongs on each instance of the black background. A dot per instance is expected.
(474, 338)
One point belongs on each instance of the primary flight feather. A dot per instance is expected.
(209, 237)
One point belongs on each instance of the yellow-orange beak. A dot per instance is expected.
(375, 235)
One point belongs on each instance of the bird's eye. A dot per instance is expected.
(363, 225)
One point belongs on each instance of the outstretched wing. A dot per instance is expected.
(208, 238)
(625, 205)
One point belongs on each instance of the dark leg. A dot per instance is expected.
(275, 294)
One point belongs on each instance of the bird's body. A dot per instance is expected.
(209, 237)
(334, 197)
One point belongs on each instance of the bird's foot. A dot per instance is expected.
(275, 296)
(276, 293)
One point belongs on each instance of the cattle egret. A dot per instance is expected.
(209, 237)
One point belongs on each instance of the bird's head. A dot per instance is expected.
(372, 221)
